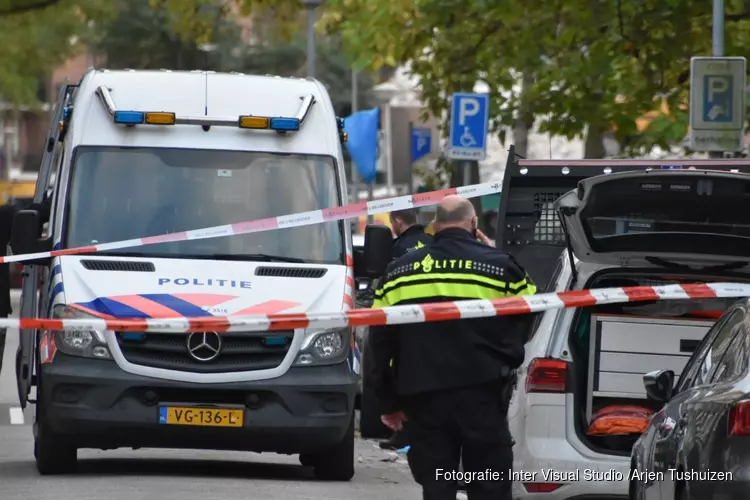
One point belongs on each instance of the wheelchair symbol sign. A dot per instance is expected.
(467, 140)
(469, 121)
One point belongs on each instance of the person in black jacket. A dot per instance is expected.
(7, 213)
(409, 236)
(454, 379)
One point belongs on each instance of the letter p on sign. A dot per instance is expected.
(468, 107)
(717, 85)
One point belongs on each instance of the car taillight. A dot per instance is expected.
(541, 487)
(739, 419)
(546, 375)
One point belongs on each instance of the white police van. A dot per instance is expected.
(145, 153)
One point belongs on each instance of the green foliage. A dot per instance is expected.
(332, 67)
(34, 40)
(148, 34)
(145, 35)
(592, 63)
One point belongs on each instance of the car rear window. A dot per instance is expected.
(706, 206)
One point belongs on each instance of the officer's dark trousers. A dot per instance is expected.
(467, 423)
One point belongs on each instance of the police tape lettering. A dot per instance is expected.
(395, 315)
(281, 222)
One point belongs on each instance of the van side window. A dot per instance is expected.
(551, 287)
(734, 364)
(718, 347)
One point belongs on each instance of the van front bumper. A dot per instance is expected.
(94, 404)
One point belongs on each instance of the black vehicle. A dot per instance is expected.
(697, 445)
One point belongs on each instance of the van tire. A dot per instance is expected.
(52, 453)
(52, 456)
(337, 464)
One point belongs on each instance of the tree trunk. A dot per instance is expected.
(525, 120)
(594, 146)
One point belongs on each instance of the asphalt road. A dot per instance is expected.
(179, 475)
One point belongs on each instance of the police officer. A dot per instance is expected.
(454, 379)
(409, 236)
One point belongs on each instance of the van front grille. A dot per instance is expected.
(237, 352)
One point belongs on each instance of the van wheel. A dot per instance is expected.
(338, 463)
(53, 455)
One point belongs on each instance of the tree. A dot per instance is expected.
(36, 40)
(333, 69)
(146, 35)
(153, 34)
(591, 66)
(12, 7)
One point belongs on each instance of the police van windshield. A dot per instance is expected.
(124, 193)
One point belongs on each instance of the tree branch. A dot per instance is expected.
(742, 16)
(22, 9)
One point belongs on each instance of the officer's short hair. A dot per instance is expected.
(407, 216)
(457, 213)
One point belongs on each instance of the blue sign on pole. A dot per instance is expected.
(469, 122)
(717, 98)
(421, 143)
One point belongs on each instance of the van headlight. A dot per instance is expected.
(84, 344)
(326, 347)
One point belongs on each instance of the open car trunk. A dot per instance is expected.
(645, 222)
(693, 224)
(613, 346)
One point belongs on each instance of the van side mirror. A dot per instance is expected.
(659, 384)
(25, 236)
(378, 251)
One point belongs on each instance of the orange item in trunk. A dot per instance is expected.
(616, 420)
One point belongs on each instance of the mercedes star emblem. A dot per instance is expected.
(204, 346)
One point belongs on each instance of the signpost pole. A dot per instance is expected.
(411, 158)
(467, 172)
(718, 46)
(355, 108)
(718, 28)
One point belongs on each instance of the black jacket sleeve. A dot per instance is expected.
(380, 350)
(517, 327)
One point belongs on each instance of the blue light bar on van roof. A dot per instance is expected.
(284, 124)
(129, 117)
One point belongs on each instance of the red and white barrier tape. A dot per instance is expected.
(349, 211)
(437, 311)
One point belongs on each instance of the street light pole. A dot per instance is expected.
(312, 6)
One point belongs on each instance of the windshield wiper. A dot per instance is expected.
(132, 254)
(249, 257)
(216, 256)
(730, 266)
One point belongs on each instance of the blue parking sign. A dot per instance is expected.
(421, 143)
(469, 123)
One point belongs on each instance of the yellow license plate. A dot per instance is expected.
(202, 417)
